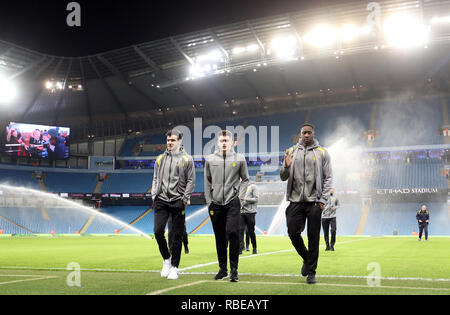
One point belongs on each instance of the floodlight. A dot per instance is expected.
(321, 36)
(405, 31)
(284, 47)
(349, 32)
(8, 90)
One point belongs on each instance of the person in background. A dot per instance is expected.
(248, 215)
(329, 220)
(423, 218)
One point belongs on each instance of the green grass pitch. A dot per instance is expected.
(127, 265)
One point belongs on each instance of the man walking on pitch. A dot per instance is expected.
(329, 220)
(307, 168)
(423, 218)
(173, 184)
(248, 214)
(226, 177)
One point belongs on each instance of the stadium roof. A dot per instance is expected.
(158, 83)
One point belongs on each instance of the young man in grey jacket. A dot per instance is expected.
(248, 215)
(307, 168)
(226, 178)
(173, 184)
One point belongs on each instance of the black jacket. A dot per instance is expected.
(423, 216)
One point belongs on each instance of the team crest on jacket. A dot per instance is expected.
(234, 164)
(211, 212)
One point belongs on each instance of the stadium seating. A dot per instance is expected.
(415, 175)
(70, 182)
(18, 178)
(127, 182)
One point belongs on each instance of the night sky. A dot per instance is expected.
(41, 25)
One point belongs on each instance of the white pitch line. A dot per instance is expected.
(25, 280)
(213, 273)
(176, 287)
(299, 284)
(264, 254)
(349, 285)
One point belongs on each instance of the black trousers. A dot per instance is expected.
(297, 214)
(247, 239)
(423, 227)
(225, 221)
(176, 212)
(326, 224)
(185, 235)
(247, 223)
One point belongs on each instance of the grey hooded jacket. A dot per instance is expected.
(309, 175)
(176, 172)
(250, 201)
(223, 175)
(327, 212)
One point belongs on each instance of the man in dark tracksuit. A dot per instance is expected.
(307, 168)
(423, 218)
(248, 214)
(329, 220)
(173, 184)
(226, 178)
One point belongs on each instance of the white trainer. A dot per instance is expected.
(173, 273)
(166, 268)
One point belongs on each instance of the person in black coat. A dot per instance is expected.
(423, 218)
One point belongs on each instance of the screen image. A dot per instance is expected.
(37, 141)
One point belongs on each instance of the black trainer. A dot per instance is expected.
(311, 279)
(255, 251)
(222, 274)
(234, 275)
(304, 270)
(332, 248)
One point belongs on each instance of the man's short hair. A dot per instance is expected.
(225, 133)
(307, 125)
(175, 132)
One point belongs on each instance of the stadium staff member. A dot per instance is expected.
(329, 220)
(173, 184)
(226, 177)
(248, 214)
(307, 168)
(423, 218)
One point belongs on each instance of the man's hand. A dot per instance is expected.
(420, 221)
(287, 159)
(321, 205)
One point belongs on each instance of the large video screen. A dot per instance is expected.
(37, 141)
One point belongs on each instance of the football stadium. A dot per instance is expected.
(82, 136)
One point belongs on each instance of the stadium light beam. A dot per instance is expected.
(8, 90)
(321, 36)
(403, 31)
(349, 32)
(440, 20)
(284, 47)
